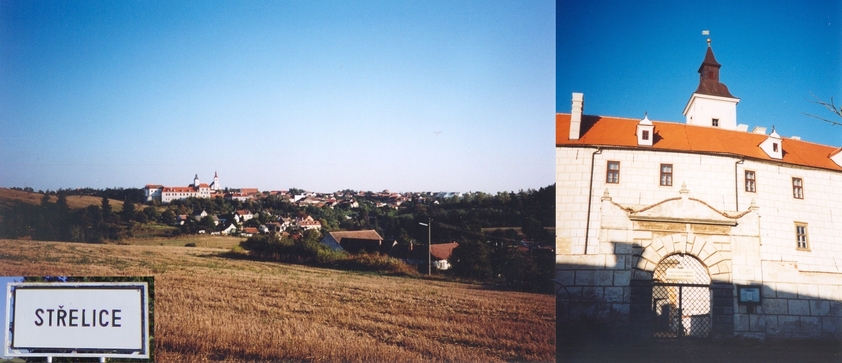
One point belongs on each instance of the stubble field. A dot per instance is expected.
(212, 308)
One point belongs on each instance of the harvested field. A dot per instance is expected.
(211, 308)
(223, 242)
(8, 196)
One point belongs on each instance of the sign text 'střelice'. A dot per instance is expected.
(95, 317)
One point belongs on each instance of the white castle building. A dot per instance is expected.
(165, 195)
(700, 228)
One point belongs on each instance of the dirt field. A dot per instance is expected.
(211, 308)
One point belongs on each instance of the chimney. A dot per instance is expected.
(759, 130)
(576, 115)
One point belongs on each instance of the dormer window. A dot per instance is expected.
(775, 147)
(645, 132)
(715, 122)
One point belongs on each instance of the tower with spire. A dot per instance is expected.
(711, 104)
(215, 184)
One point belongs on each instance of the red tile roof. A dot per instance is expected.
(442, 251)
(368, 234)
(671, 136)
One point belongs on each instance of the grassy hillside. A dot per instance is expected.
(8, 196)
(211, 308)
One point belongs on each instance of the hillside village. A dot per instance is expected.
(236, 223)
(483, 236)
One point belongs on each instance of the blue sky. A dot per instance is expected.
(319, 95)
(634, 57)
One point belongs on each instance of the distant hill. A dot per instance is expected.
(8, 197)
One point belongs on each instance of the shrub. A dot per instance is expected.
(377, 263)
(309, 251)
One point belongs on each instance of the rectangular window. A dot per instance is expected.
(646, 134)
(750, 182)
(612, 172)
(802, 242)
(666, 174)
(797, 188)
(715, 122)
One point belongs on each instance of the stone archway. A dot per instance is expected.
(681, 298)
(702, 248)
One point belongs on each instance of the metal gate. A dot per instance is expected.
(681, 298)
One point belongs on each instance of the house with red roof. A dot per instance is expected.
(364, 241)
(699, 228)
(165, 195)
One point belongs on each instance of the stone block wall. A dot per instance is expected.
(795, 305)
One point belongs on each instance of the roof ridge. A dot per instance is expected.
(706, 127)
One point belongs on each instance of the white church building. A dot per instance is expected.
(701, 228)
(165, 195)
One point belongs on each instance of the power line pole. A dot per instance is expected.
(429, 225)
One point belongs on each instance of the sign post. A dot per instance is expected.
(85, 319)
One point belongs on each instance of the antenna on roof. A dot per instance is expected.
(707, 32)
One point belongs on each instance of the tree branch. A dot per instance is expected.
(831, 107)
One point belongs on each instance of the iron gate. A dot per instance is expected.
(681, 298)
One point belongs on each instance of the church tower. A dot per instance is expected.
(196, 181)
(215, 184)
(711, 104)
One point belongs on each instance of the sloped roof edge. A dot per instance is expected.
(605, 131)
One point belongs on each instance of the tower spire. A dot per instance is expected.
(709, 76)
(711, 104)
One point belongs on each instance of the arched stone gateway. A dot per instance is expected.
(681, 298)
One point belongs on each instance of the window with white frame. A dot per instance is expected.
(797, 188)
(666, 174)
(612, 172)
(751, 185)
(802, 242)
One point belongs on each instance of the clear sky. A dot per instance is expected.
(318, 95)
(631, 57)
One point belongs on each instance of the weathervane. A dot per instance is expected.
(707, 32)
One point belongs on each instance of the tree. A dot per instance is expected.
(45, 200)
(152, 214)
(207, 223)
(168, 217)
(471, 259)
(61, 204)
(106, 209)
(128, 211)
(830, 106)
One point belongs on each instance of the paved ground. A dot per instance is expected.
(692, 351)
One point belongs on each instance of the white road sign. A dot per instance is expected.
(91, 317)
